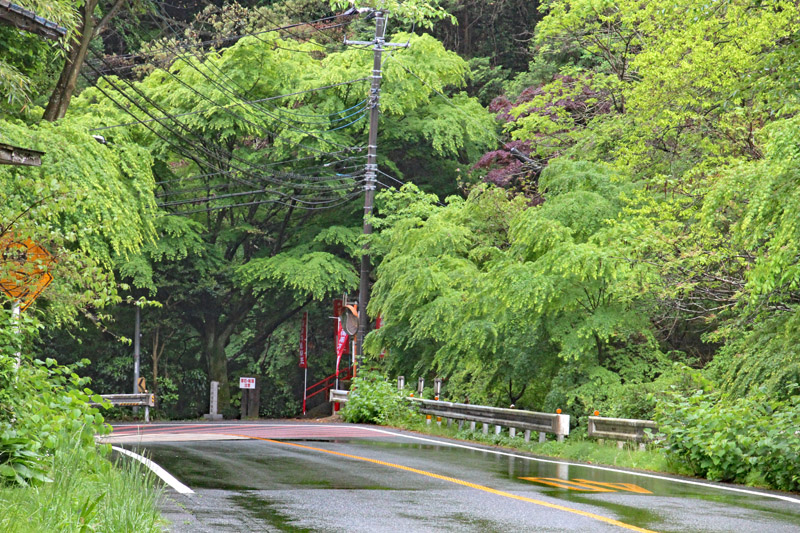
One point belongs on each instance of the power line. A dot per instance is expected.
(220, 86)
(298, 202)
(310, 186)
(266, 165)
(210, 64)
(344, 201)
(239, 194)
(267, 99)
(181, 149)
(183, 126)
(224, 39)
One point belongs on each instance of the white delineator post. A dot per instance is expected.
(562, 427)
(16, 317)
(137, 335)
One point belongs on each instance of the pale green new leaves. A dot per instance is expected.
(13, 84)
(313, 273)
(487, 279)
(98, 197)
(176, 239)
(694, 80)
(88, 204)
(231, 96)
(420, 12)
(308, 269)
(763, 199)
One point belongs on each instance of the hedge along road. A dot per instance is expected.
(340, 477)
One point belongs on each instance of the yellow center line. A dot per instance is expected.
(464, 483)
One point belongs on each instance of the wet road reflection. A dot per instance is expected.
(389, 483)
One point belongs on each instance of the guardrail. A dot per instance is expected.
(621, 429)
(513, 419)
(146, 400)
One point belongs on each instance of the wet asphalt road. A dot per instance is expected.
(396, 481)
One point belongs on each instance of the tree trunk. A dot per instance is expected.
(214, 343)
(79, 47)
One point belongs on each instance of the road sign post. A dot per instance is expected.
(250, 397)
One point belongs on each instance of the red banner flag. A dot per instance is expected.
(304, 341)
(338, 308)
(341, 343)
(378, 324)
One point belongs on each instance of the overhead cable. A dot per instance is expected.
(224, 39)
(183, 150)
(267, 99)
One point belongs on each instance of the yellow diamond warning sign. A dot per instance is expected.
(23, 265)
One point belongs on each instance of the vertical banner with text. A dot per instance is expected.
(304, 356)
(304, 341)
(341, 343)
(378, 324)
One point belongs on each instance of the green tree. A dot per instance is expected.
(24, 63)
(495, 292)
(229, 264)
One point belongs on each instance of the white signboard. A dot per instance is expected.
(247, 383)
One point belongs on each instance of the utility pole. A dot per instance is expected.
(371, 169)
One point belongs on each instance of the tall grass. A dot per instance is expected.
(88, 493)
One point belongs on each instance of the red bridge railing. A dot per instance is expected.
(324, 385)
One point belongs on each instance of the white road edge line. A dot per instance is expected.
(168, 478)
(606, 468)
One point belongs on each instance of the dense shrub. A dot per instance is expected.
(40, 402)
(739, 440)
(372, 400)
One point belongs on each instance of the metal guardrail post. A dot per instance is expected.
(437, 389)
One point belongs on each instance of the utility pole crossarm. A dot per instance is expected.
(370, 174)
